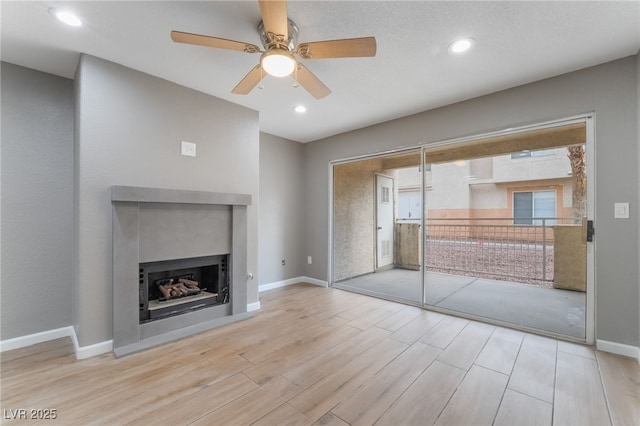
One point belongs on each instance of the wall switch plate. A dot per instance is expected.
(309, 260)
(621, 210)
(188, 149)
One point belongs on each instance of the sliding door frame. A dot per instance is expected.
(587, 118)
(331, 240)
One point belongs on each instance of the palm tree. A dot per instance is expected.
(577, 158)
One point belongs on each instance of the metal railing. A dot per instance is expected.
(492, 248)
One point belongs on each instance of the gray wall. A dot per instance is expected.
(129, 126)
(281, 199)
(609, 89)
(124, 115)
(37, 195)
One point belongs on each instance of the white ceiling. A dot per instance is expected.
(516, 43)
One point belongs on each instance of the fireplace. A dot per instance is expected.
(179, 264)
(175, 287)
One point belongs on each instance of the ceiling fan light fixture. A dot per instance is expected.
(278, 62)
(279, 37)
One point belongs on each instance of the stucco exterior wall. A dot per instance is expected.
(354, 218)
(507, 169)
(449, 186)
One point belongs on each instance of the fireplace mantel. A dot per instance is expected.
(197, 223)
(160, 195)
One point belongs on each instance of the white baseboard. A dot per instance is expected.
(81, 352)
(314, 281)
(291, 281)
(619, 349)
(278, 284)
(32, 339)
(253, 306)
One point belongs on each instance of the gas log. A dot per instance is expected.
(171, 289)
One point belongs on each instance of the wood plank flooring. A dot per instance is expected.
(314, 355)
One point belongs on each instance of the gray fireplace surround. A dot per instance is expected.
(153, 224)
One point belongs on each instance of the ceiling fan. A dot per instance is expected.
(279, 36)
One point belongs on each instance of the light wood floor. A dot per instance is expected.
(314, 355)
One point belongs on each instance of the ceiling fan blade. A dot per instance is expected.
(345, 48)
(310, 82)
(274, 17)
(249, 81)
(222, 43)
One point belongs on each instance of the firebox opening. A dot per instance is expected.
(177, 286)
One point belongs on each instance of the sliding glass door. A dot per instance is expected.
(377, 217)
(505, 230)
(490, 228)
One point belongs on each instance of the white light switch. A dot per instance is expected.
(188, 149)
(309, 260)
(621, 210)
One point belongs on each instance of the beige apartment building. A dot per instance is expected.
(521, 186)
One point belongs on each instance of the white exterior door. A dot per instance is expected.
(384, 221)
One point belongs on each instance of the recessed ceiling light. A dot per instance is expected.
(66, 17)
(461, 45)
(300, 109)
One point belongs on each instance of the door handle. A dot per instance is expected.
(590, 230)
(379, 228)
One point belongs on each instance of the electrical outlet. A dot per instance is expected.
(188, 149)
(283, 262)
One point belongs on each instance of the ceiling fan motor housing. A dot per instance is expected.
(291, 43)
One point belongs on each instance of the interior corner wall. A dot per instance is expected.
(281, 199)
(37, 200)
(610, 90)
(129, 128)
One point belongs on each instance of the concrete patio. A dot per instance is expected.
(552, 310)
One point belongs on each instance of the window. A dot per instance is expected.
(527, 153)
(409, 204)
(529, 206)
